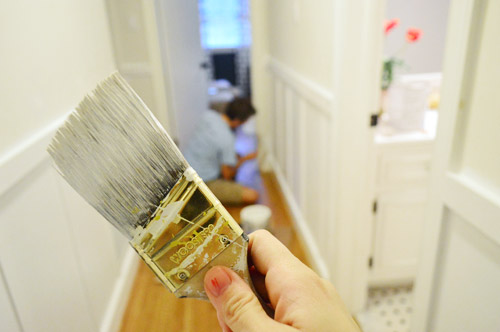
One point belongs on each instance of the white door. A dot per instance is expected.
(158, 50)
(458, 282)
(185, 68)
(134, 32)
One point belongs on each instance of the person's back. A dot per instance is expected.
(211, 146)
(211, 152)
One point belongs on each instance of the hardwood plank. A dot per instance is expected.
(153, 308)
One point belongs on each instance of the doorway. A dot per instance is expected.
(226, 40)
(403, 143)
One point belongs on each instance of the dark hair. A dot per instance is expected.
(240, 109)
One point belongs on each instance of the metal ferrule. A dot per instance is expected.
(189, 232)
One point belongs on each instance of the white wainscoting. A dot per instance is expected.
(64, 268)
(301, 158)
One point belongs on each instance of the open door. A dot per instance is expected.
(158, 50)
(458, 282)
(185, 67)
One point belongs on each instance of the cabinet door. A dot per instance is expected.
(403, 165)
(398, 228)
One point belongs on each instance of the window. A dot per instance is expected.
(224, 24)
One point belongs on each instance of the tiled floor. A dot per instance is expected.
(388, 310)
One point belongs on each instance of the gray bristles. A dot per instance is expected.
(116, 155)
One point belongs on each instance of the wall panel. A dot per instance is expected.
(58, 257)
(39, 263)
(303, 122)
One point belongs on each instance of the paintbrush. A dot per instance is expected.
(119, 158)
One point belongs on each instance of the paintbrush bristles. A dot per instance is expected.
(116, 155)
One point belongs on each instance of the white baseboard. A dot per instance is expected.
(121, 293)
(313, 253)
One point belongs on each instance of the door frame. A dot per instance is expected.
(155, 12)
(356, 87)
(150, 68)
(168, 57)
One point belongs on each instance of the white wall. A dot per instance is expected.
(59, 260)
(314, 100)
(297, 34)
(301, 37)
(426, 55)
(292, 61)
(52, 53)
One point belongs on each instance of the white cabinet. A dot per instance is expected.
(402, 166)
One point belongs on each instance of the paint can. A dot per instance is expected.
(255, 217)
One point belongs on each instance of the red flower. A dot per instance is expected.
(413, 34)
(391, 24)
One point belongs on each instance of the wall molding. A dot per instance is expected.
(312, 92)
(21, 159)
(312, 251)
(121, 293)
(16, 164)
(475, 200)
(298, 103)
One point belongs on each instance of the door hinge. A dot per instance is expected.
(370, 262)
(374, 207)
(373, 120)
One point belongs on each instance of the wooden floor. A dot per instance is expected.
(153, 308)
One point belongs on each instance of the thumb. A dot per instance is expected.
(238, 309)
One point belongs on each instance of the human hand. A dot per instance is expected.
(249, 156)
(301, 299)
(252, 155)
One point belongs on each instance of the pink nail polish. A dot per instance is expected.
(215, 284)
(219, 281)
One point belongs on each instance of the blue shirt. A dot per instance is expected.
(211, 146)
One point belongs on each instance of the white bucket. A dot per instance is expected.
(255, 217)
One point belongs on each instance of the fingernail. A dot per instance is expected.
(218, 281)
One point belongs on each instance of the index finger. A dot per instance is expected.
(267, 252)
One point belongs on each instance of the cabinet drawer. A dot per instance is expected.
(396, 170)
